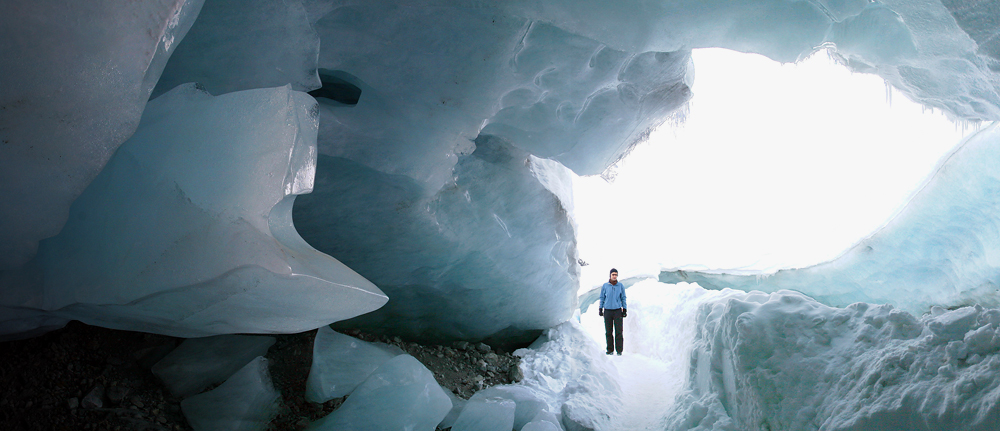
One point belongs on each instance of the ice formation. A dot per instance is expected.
(436, 145)
(734, 360)
(486, 414)
(444, 260)
(188, 229)
(400, 394)
(246, 401)
(222, 56)
(340, 363)
(941, 249)
(201, 362)
(410, 92)
(76, 79)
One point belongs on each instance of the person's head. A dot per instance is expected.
(614, 274)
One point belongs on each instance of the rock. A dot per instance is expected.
(138, 403)
(462, 345)
(73, 403)
(515, 374)
(94, 399)
(492, 357)
(483, 347)
(117, 393)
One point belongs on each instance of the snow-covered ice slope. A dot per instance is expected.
(943, 248)
(188, 230)
(783, 361)
(748, 361)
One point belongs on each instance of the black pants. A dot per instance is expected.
(613, 318)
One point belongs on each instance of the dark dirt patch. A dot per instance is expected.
(45, 381)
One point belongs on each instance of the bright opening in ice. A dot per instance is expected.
(775, 166)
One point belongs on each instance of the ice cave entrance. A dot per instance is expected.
(772, 166)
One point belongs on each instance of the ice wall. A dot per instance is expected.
(941, 249)
(409, 91)
(188, 231)
(75, 79)
(491, 255)
(783, 361)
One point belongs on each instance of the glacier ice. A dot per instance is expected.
(246, 401)
(198, 363)
(429, 184)
(486, 414)
(188, 232)
(76, 80)
(219, 52)
(450, 262)
(400, 394)
(528, 404)
(941, 249)
(740, 360)
(545, 90)
(540, 426)
(340, 363)
(577, 82)
(457, 404)
(784, 361)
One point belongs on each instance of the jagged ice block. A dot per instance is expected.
(201, 362)
(247, 401)
(340, 363)
(401, 394)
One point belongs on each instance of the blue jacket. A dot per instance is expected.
(613, 296)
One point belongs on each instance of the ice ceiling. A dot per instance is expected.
(153, 154)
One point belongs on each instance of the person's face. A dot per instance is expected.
(614, 276)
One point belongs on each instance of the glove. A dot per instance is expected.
(600, 311)
(624, 313)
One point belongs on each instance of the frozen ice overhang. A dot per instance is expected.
(437, 106)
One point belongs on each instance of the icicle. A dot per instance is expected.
(888, 93)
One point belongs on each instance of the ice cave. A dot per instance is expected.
(230, 171)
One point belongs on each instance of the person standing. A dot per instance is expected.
(614, 310)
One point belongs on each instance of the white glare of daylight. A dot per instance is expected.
(776, 166)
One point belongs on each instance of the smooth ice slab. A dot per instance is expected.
(188, 229)
(75, 82)
(201, 362)
(941, 249)
(401, 394)
(486, 414)
(245, 44)
(340, 363)
(247, 401)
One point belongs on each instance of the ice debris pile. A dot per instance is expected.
(244, 398)
(941, 249)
